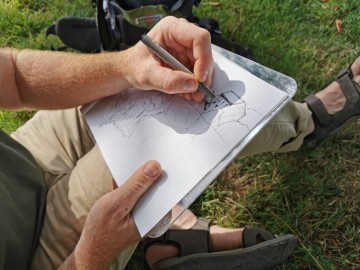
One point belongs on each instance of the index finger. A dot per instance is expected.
(179, 35)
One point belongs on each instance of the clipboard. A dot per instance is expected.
(164, 218)
(277, 79)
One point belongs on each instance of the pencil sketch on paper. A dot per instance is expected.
(187, 138)
(128, 111)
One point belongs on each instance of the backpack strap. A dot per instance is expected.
(116, 28)
(216, 38)
(52, 31)
(121, 23)
(233, 47)
(77, 33)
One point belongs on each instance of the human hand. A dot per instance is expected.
(188, 43)
(109, 226)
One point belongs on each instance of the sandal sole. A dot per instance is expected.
(265, 255)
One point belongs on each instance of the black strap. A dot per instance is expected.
(319, 112)
(112, 32)
(51, 31)
(78, 33)
(232, 46)
(216, 38)
(191, 241)
(253, 235)
(350, 88)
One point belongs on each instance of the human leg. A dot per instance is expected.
(206, 246)
(67, 160)
(76, 177)
(284, 133)
(288, 129)
(54, 176)
(336, 105)
(220, 239)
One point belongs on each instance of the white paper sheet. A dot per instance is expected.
(188, 139)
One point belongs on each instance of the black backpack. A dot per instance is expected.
(121, 23)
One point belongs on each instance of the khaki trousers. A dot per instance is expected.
(76, 175)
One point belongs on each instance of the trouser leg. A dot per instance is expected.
(76, 174)
(76, 177)
(284, 133)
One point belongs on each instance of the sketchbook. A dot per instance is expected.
(193, 142)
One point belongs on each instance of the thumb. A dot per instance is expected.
(140, 182)
(173, 81)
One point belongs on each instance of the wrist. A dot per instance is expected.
(124, 64)
(90, 258)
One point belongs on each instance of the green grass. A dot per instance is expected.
(23, 25)
(313, 193)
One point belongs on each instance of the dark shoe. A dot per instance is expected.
(326, 124)
(262, 250)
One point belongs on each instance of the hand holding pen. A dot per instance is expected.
(189, 44)
(173, 62)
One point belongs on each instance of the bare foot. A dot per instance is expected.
(333, 97)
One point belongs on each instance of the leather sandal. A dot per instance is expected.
(327, 125)
(262, 250)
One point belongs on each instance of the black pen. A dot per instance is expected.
(172, 61)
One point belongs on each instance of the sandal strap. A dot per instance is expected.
(319, 113)
(326, 124)
(253, 235)
(350, 88)
(191, 241)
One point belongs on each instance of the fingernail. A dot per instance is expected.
(151, 169)
(190, 86)
(204, 76)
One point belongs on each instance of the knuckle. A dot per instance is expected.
(204, 34)
(139, 184)
(167, 84)
(168, 19)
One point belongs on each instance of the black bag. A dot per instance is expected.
(121, 23)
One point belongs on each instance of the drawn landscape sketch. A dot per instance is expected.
(188, 139)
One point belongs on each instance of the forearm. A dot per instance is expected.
(72, 263)
(58, 80)
(49, 80)
(82, 259)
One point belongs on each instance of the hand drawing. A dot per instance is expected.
(129, 110)
(192, 141)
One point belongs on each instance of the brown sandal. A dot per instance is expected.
(262, 250)
(327, 125)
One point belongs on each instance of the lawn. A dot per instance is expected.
(313, 193)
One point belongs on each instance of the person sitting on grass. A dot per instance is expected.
(60, 207)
